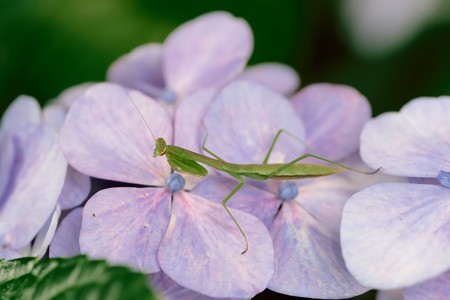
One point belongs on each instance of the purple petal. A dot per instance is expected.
(243, 121)
(104, 135)
(76, 189)
(390, 295)
(396, 234)
(258, 202)
(68, 97)
(23, 110)
(33, 186)
(66, 241)
(206, 52)
(307, 249)
(125, 226)
(45, 235)
(139, 69)
(408, 143)
(170, 290)
(54, 115)
(278, 77)
(211, 261)
(333, 116)
(437, 288)
(7, 253)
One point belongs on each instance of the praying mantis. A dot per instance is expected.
(185, 161)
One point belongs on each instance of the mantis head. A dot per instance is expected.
(160, 147)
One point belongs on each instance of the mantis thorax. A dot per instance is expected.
(160, 147)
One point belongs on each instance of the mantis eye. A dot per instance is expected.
(160, 147)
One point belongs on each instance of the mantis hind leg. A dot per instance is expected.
(274, 141)
(224, 203)
(207, 150)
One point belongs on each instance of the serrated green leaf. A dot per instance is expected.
(70, 278)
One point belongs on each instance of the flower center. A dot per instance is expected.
(166, 95)
(288, 191)
(175, 182)
(444, 178)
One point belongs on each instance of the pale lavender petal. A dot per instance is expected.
(66, 241)
(437, 288)
(140, 69)
(67, 97)
(396, 234)
(23, 110)
(206, 52)
(104, 135)
(54, 115)
(211, 261)
(34, 183)
(334, 116)
(7, 253)
(125, 226)
(76, 189)
(408, 143)
(168, 289)
(260, 203)
(188, 125)
(243, 121)
(45, 235)
(308, 259)
(390, 295)
(278, 77)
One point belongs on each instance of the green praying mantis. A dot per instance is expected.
(185, 161)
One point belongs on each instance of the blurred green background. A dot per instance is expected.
(47, 46)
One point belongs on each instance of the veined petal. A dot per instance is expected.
(308, 259)
(206, 52)
(243, 120)
(35, 180)
(211, 261)
(66, 241)
(23, 110)
(104, 135)
(279, 77)
(334, 116)
(125, 226)
(141, 67)
(409, 143)
(396, 234)
(45, 235)
(437, 288)
(75, 190)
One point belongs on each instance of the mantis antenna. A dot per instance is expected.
(143, 119)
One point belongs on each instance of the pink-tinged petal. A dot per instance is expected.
(243, 121)
(407, 143)
(54, 115)
(75, 190)
(7, 253)
(211, 261)
(23, 110)
(334, 116)
(278, 77)
(390, 295)
(170, 290)
(396, 234)
(66, 241)
(68, 97)
(125, 226)
(437, 288)
(308, 259)
(104, 135)
(45, 235)
(188, 125)
(34, 183)
(140, 69)
(258, 202)
(206, 52)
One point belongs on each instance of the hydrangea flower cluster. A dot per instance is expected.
(323, 237)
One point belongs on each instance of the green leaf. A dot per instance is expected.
(70, 278)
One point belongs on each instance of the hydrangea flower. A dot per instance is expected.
(161, 227)
(396, 235)
(32, 172)
(303, 216)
